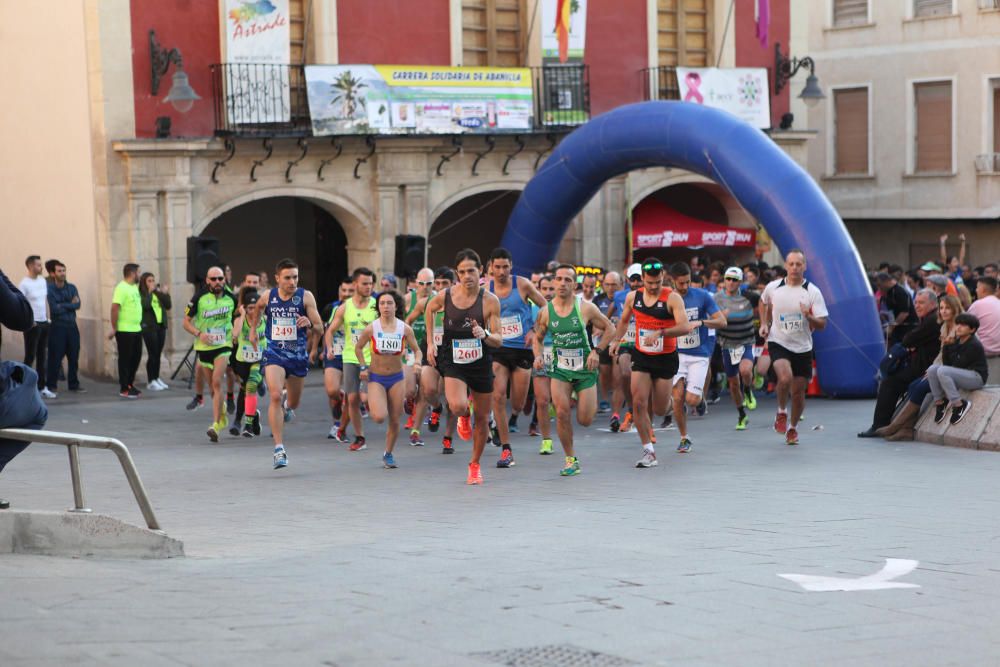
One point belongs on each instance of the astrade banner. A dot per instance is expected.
(257, 55)
(388, 99)
(742, 91)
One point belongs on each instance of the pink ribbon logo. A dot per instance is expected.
(693, 82)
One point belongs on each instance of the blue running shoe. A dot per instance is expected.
(289, 415)
(512, 424)
(388, 461)
(685, 446)
(280, 458)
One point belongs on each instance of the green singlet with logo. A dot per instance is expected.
(213, 315)
(570, 347)
(245, 351)
(419, 326)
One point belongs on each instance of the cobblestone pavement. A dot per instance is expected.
(336, 561)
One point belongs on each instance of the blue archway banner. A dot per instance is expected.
(762, 178)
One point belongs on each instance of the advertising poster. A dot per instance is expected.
(564, 30)
(384, 99)
(257, 52)
(741, 91)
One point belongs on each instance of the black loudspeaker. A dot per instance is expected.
(410, 252)
(202, 254)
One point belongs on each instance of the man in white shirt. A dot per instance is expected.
(793, 308)
(36, 340)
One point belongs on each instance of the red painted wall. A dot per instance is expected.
(616, 50)
(193, 27)
(749, 52)
(391, 32)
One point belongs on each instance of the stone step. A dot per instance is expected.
(980, 429)
(81, 534)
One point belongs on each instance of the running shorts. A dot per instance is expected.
(513, 358)
(658, 366)
(207, 358)
(740, 354)
(693, 370)
(801, 361)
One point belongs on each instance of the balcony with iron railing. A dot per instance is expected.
(266, 100)
(660, 83)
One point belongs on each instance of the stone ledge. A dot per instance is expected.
(80, 534)
(979, 430)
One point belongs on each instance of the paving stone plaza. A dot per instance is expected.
(336, 561)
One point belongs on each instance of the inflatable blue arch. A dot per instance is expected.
(762, 178)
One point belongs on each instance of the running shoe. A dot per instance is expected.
(475, 475)
(256, 422)
(415, 440)
(958, 412)
(702, 408)
(338, 410)
(939, 410)
(552, 411)
(332, 435)
(435, 419)
(749, 401)
(213, 434)
(358, 444)
(648, 460)
(741, 424)
(616, 423)
(781, 422)
(234, 430)
(685, 446)
(465, 428)
(342, 434)
(758, 382)
(446, 447)
(603, 407)
(668, 421)
(280, 458)
(408, 406)
(546, 447)
(364, 411)
(533, 429)
(792, 437)
(494, 433)
(230, 404)
(512, 424)
(506, 459)
(626, 423)
(388, 461)
(409, 423)
(289, 415)
(248, 428)
(572, 467)
(134, 393)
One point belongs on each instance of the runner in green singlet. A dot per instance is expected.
(574, 363)
(415, 405)
(246, 364)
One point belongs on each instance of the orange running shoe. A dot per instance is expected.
(409, 423)
(465, 428)
(626, 423)
(781, 422)
(475, 475)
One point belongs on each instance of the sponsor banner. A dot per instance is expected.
(728, 238)
(383, 99)
(741, 91)
(257, 53)
(564, 24)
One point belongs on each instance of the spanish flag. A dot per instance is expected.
(562, 28)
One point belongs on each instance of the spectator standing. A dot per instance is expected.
(36, 340)
(64, 335)
(953, 265)
(155, 304)
(126, 329)
(903, 318)
(986, 308)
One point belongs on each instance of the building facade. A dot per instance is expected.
(92, 184)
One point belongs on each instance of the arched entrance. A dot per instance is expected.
(255, 235)
(477, 221)
(758, 174)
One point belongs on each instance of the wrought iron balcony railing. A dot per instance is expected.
(562, 95)
(660, 83)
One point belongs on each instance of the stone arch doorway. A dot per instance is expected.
(477, 221)
(254, 235)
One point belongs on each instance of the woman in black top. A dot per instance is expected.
(963, 367)
(155, 305)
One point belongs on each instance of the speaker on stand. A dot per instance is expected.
(410, 255)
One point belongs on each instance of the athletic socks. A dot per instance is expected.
(648, 447)
(743, 412)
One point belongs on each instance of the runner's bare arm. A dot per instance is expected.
(765, 319)
(255, 319)
(623, 322)
(312, 313)
(716, 320)
(530, 293)
(411, 340)
(434, 305)
(538, 342)
(817, 323)
(592, 315)
(681, 325)
(418, 311)
(491, 314)
(363, 339)
(335, 324)
(238, 324)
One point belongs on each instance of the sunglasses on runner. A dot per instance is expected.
(215, 280)
(652, 268)
(425, 283)
(735, 280)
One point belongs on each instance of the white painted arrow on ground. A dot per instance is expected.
(894, 568)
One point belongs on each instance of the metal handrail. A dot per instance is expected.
(76, 440)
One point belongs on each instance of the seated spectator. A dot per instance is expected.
(963, 367)
(924, 343)
(986, 308)
(903, 318)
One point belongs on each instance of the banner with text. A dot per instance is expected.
(741, 91)
(564, 30)
(384, 99)
(258, 52)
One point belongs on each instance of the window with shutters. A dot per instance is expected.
(850, 130)
(933, 111)
(297, 31)
(492, 33)
(848, 13)
(683, 33)
(925, 8)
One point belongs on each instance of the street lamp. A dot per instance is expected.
(785, 68)
(181, 94)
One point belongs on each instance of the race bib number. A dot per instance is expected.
(510, 327)
(547, 356)
(389, 343)
(338, 346)
(690, 341)
(438, 338)
(736, 354)
(355, 337)
(216, 336)
(466, 350)
(251, 355)
(758, 350)
(629, 336)
(792, 323)
(283, 329)
(569, 360)
(657, 345)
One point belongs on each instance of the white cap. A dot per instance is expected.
(734, 272)
(634, 270)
